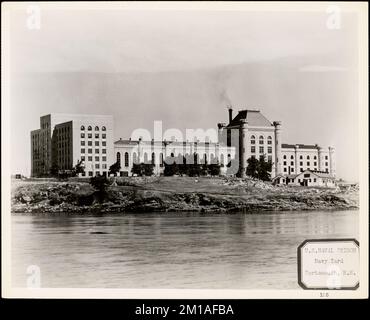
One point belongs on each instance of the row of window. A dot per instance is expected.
(90, 158)
(301, 157)
(301, 170)
(89, 128)
(89, 135)
(301, 163)
(261, 149)
(83, 150)
(97, 143)
(261, 140)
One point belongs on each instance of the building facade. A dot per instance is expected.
(65, 139)
(307, 178)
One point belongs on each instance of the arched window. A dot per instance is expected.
(134, 158)
(119, 158)
(145, 157)
(161, 159)
(89, 128)
(292, 157)
(82, 128)
(96, 128)
(205, 158)
(269, 140)
(308, 157)
(127, 159)
(222, 160)
(284, 156)
(103, 128)
(261, 140)
(153, 158)
(253, 140)
(195, 158)
(314, 157)
(229, 160)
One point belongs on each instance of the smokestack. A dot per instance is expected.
(230, 113)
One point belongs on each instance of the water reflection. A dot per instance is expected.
(170, 250)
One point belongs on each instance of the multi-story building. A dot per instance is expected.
(153, 152)
(65, 139)
(253, 135)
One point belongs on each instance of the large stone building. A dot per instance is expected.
(65, 139)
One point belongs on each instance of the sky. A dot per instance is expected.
(184, 67)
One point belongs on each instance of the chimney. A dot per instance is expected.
(230, 113)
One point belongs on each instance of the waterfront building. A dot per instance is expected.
(65, 139)
(308, 178)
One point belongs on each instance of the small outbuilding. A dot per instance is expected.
(307, 178)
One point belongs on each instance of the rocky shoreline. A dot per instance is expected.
(174, 194)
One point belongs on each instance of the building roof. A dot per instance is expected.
(253, 117)
(300, 146)
(320, 174)
(173, 143)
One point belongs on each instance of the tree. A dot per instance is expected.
(54, 170)
(264, 169)
(214, 169)
(79, 168)
(114, 168)
(252, 167)
(142, 169)
(170, 169)
(100, 184)
(148, 169)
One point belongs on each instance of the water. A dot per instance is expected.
(170, 250)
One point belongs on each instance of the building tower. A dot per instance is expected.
(278, 160)
(242, 147)
(319, 154)
(332, 161)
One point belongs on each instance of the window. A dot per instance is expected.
(261, 140)
(104, 136)
(118, 157)
(97, 151)
(301, 163)
(82, 135)
(306, 175)
(314, 157)
(96, 128)
(89, 158)
(301, 170)
(314, 180)
(83, 158)
(104, 150)
(83, 150)
(89, 135)
(269, 149)
(104, 143)
(300, 157)
(126, 159)
(269, 158)
(82, 143)
(90, 173)
(82, 128)
(104, 158)
(104, 165)
(96, 158)
(308, 157)
(326, 157)
(284, 163)
(269, 140)
(291, 163)
(97, 143)
(261, 150)
(89, 143)
(96, 135)
(89, 128)
(326, 163)
(253, 149)
(292, 170)
(103, 128)
(284, 156)
(291, 157)
(253, 140)
(97, 166)
(315, 163)
(308, 163)
(284, 169)
(161, 160)
(89, 150)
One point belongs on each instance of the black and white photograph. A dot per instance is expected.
(178, 149)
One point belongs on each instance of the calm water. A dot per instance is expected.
(250, 251)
